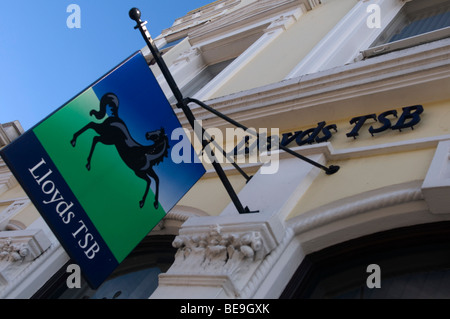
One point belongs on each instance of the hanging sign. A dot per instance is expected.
(99, 169)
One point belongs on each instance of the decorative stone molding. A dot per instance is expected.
(17, 249)
(255, 15)
(223, 257)
(34, 239)
(12, 252)
(285, 20)
(11, 210)
(200, 16)
(9, 132)
(346, 88)
(221, 252)
(172, 222)
(314, 3)
(266, 266)
(187, 56)
(358, 204)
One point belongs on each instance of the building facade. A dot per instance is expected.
(363, 85)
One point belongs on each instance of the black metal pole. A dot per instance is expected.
(328, 170)
(240, 170)
(135, 14)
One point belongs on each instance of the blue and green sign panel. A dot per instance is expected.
(100, 170)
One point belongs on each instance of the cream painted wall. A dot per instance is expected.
(209, 195)
(3, 206)
(15, 192)
(363, 174)
(284, 53)
(28, 215)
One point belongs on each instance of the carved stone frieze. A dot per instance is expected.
(13, 252)
(17, 249)
(214, 251)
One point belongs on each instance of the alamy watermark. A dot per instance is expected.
(373, 20)
(235, 146)
(74, 279)
(73, 21)
(374, 279)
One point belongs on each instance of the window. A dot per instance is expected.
(135, 278)
(414, 264)
(416, 23)
(169, 45)
(203, 78)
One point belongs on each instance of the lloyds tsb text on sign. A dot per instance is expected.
(42, 175)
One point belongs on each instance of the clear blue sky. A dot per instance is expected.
(43, 63)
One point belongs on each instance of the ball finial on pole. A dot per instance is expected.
(135, 14)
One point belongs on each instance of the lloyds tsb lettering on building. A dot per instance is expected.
(323, 132)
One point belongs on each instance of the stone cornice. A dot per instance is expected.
(411, 76)
(197, 18)
(171, 223)
(256, 14)
(9, 132)
(7, 179)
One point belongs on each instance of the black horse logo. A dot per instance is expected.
(113, 131)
